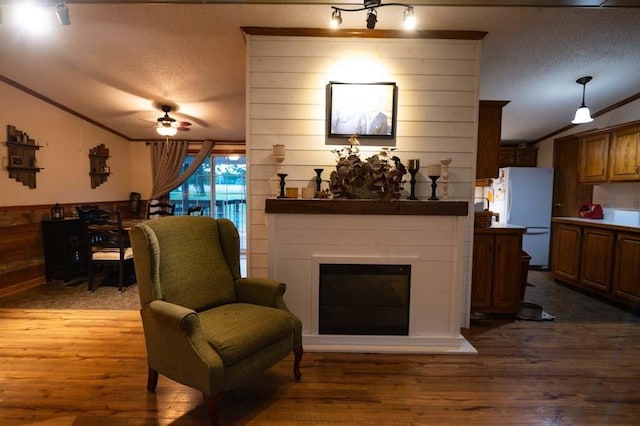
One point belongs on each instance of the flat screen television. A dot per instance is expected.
(364, 110)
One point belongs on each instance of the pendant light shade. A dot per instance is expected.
(583, 115)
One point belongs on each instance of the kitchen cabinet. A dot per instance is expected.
(626, 273)
(518, 156)
(594, 157)
(596, 259)
(489, 137)
(601, 259)
(624, 155)
(496, 274)
(567, 249)
(63, 249)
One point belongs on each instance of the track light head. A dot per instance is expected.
(336, 18)
(372, 18)
(62, 12)
(409, 19)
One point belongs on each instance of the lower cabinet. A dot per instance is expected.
(602, 261)
(626, 276)
(496, 278)
(596, 260)
(567, 250)
(63, 252)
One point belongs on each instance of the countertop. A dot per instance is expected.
(497, 228)
(626, 220)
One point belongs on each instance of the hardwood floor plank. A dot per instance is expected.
(71, 367)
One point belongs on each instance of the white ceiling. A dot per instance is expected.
(118, 60)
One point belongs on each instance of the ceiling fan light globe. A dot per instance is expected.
(583, 115)
(166, 130)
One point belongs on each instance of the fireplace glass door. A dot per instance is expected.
(364, 299)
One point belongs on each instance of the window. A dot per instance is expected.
(221, 191)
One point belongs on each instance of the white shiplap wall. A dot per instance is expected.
(286, 95)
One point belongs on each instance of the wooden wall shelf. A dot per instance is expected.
(22, 165)
(98, 169)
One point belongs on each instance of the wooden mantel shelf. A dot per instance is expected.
(367, 207)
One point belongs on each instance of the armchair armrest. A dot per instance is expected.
(177, 347)
(267, 292)
(261, 291)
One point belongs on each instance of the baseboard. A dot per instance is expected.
(20, 287)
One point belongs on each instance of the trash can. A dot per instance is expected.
(524, 272)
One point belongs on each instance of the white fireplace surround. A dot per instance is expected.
(431, 244)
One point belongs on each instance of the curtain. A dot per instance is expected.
(167, 159)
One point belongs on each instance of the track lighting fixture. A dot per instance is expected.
(371, 6)
(583, 115)
(62, 12)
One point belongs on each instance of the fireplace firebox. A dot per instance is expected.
(364, 299)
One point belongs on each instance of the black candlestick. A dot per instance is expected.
(433, 187)
(318, 179)
(413, 184)
(282, 184)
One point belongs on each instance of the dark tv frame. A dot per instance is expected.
(359, 96)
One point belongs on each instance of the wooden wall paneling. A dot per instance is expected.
(22, 263)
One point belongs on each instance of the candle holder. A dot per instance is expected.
(434, 185)
(278, 156)
(318, 179)
(282, 184)
(413, 173)
(445, 177)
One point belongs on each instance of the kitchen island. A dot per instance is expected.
(599, 256)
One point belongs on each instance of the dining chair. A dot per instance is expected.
(106, 242)
(156, 209)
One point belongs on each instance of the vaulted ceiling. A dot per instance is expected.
(119, 60)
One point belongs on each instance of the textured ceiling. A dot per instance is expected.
(117, 61)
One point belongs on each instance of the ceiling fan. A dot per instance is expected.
(168, 126)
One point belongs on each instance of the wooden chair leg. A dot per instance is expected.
(212, 403)
(90, 277)
(152, 380)
(120, 278)
(298, 352)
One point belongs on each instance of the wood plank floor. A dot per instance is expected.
(87, 367)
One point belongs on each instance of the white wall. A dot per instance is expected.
(286, 80)
(66, 141)
(618, 195)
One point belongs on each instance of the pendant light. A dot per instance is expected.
(583, 115)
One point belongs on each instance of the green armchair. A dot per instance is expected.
(204, 325)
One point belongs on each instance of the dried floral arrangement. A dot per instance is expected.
(378, 177)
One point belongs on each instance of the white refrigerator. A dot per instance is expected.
(522, 196)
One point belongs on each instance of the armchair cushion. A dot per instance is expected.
(238, 330)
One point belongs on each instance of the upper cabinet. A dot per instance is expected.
(594, 155)
(518, 156)
(624, 155)
(611, 155)
(489, 136)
